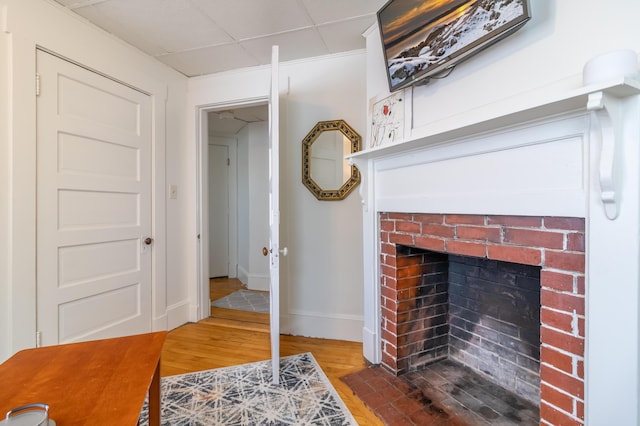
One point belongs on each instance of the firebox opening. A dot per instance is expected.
(483, 314)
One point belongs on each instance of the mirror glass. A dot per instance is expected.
(325, 171)
(328, 167)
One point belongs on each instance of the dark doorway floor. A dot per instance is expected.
(444, 393)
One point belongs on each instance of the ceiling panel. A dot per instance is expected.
(336, 10)
(262, 17)
(346, 35)
(198, 37)
(210, 60)
(165, 27)
(293, 45)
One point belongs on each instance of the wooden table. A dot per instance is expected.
(101, 382)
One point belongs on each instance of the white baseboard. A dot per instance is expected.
(159, 323)
(258, 282)
(371, 346)
(178, 314)
(323, 326)
(243, 275)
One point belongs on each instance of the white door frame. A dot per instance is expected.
(202, 195)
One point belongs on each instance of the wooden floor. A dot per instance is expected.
(233, 337)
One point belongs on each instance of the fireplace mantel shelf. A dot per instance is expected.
(511, 112)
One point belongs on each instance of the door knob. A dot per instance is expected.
(265, 251)
(148, 241)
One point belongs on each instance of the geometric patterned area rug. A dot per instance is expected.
(245, 300)
(245, 395)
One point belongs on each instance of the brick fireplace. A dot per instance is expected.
(415, 325)
(561, 169)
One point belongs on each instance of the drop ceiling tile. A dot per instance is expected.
(264, 16)
(346, 35)
(78, 3)
(171, 25)
(334, 10)
(210, 60)
(293, 45)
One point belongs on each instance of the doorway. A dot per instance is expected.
(237, 213)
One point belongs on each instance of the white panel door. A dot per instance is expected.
(218, 211)
(93, 205)
(274, 216)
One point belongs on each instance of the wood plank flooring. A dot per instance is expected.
(233, 337)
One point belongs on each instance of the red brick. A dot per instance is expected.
(439, 230)
(527, 256)
(464, 219)
(575, 241)
(581, 327)
(479, 233)
(384, 216)
(559, 320)
(563, 260)
(410, 227)
(534, 238)
(556, 280)
(387, 270)
(388, 292)
(580, 279)
(429, 218)
(388, 315)
(580, 409)
(390, 282)
(406, 305)
(413, 281)
(388, 248)
(409, 259)
(404, 239)
(568, 223)
(560, 380)
(387, 225)
(384, 237)
(388, 260)
(562, 301)
(429, 243)
(580, 372)
(391, 327)
(557, 359)
(409, 271)
(556, 398)
(390, 304)
(466, 248)
(387, 336)
(387, 412)
(521, 221)
(562, 341)
(400, 216)
(556, 417)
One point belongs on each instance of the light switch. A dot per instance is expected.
(173, 192)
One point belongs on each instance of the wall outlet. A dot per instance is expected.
(173, 192)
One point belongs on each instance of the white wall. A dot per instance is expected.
(25, 25)
(544, 57)
(321, 278)
(254, 266)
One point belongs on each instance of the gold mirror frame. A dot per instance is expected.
(355, 141)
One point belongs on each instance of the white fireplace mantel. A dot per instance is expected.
(574, 154)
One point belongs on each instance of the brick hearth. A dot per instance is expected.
(554, 244)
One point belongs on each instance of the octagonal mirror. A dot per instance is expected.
(325, 170)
